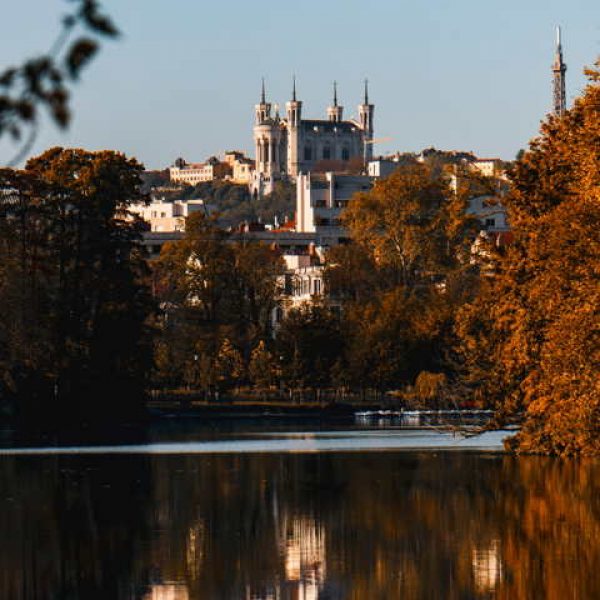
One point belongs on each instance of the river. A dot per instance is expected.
(268, 512)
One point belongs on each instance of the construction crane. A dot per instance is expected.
(373, 141)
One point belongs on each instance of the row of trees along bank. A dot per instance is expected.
(420, 312)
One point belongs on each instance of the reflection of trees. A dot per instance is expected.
(69, 527)
(304, 526)
(378, 526)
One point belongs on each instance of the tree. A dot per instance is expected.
(74, 284)
(309, 343)
(213, 292)
(404, 274)
(538, 317)
(262, 366)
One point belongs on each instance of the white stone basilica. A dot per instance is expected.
(287, 146)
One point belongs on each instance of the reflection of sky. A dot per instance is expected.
(305, 442)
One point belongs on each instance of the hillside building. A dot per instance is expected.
(290, 145)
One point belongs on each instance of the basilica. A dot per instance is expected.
(287, 146)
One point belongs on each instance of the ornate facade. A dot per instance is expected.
(289, 145)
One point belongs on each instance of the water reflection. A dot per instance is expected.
(299, 527)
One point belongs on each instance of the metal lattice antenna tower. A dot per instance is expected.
(559, 68)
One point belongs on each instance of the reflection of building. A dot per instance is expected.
(487, 567)
(304, 553)
(287, 146)
(167, 591)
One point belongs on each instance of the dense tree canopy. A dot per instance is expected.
(217, 299)
(405, 272)
(531, 339)
(72, 284)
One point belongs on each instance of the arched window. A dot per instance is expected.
(307, 152)
(345, 153)
(326, 152)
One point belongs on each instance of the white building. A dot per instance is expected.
(489, 167)
(287, 146)
(490, 212)
(168, 216)
(381, 167)
(320, 199)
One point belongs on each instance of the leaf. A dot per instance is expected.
(97, 22)
(80, 53)
(7, 78)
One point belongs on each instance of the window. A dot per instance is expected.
(490, 222)
(307, 153)
(317, 286)
(345, 154)
(326, 153)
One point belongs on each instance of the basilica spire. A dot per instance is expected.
(335, 111)
(262, 93)
(294, 88)
(366, 91)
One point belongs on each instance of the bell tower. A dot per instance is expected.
(294, 118)
(365, 117)
(335, 112)
(263, 109)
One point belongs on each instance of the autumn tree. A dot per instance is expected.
(531, 339)
(405, 271)
(309, 343)
(217, 297)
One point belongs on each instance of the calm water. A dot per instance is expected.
(191, 513)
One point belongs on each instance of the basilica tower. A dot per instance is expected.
(365, 117)
(335, 111)
(267, 139)
(559, 68)
(294, 118)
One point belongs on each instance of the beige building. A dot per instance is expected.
(489, 167)
(192, 173)
(167, 216)
(242, 170)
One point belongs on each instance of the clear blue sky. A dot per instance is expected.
(183, 78)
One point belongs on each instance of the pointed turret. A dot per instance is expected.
(263, 109)
(335, 112)
(294, 107)
(366, 112)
